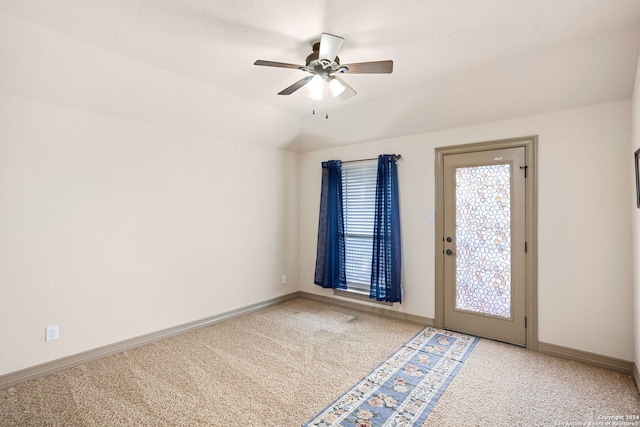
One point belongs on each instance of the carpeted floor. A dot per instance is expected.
(280, 366)
(504, 385)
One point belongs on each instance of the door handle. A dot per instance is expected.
(449, 252)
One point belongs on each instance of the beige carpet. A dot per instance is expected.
(281, 365)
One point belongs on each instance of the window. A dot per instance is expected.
(358, 198)
(360, 221)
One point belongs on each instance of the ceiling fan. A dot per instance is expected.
(324, 66)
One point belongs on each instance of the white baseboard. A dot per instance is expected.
(48, 368)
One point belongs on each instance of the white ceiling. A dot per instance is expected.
(456, 62)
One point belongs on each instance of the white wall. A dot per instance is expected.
(585, 283)
(132, 199)
(635, 144)
(113, 228)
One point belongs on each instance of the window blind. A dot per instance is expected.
(359, 194)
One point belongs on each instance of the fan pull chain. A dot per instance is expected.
(326, 105)
(326, 100)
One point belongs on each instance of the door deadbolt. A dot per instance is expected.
(449, 239)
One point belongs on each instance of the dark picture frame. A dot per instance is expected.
(636, 158)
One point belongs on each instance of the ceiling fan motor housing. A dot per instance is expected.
(313, 60)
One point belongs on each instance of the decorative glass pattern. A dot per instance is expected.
(483, 240)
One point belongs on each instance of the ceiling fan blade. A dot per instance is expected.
(277, 64)
(375, 67)
(294, 87)
(330, 46)
(348, 92)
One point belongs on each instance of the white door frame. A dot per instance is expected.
(530, 145)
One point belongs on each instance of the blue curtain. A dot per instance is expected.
(330, 264)
(386, 262)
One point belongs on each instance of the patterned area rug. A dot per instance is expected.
(403, 390)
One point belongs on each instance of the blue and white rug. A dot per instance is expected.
(403, 390)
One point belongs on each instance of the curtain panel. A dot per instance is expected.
(330, 256)
(386, 261)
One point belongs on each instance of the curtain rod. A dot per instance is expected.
(398, 156)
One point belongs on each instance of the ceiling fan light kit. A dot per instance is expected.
(316, 88)
(336, 87)
(324, 66)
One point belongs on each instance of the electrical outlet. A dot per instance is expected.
(284, 279)
(51, 333)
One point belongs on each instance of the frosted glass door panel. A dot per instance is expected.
(483, 239)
